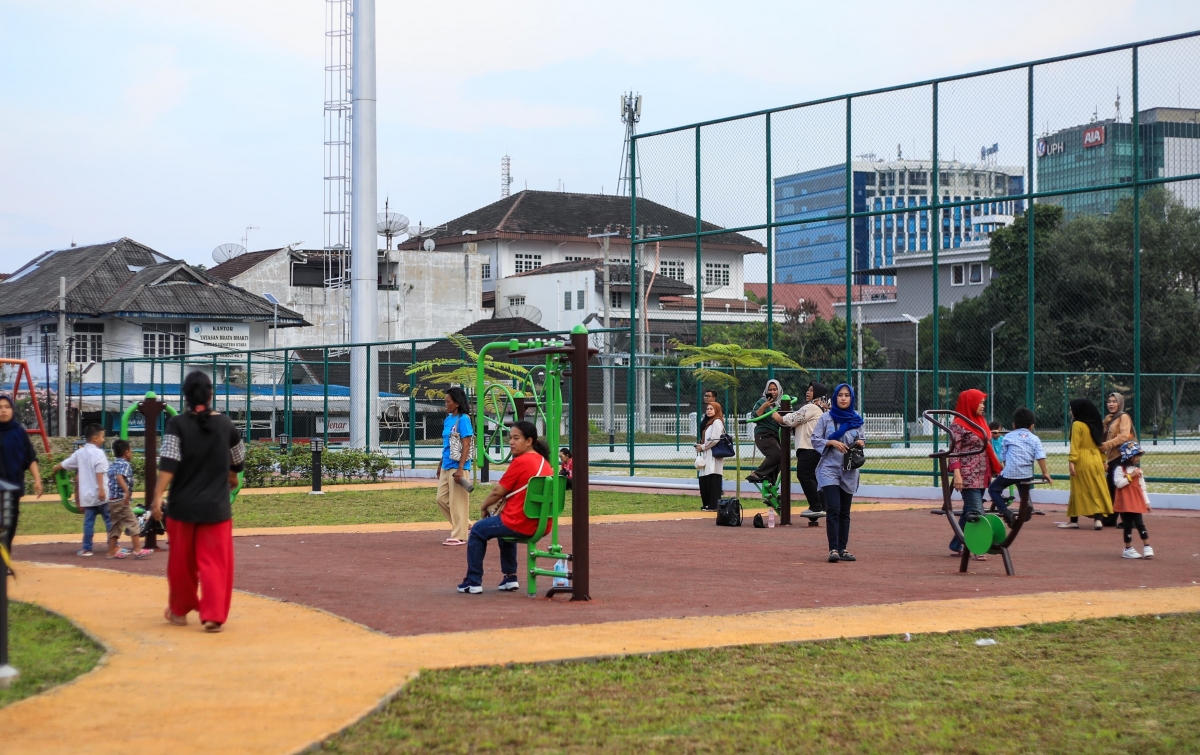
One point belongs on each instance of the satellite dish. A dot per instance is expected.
(429, 245)
(527, 311)
(226, 252)
(392, 224)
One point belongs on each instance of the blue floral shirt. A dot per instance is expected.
(119, 468)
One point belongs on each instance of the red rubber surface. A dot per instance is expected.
(403, 583)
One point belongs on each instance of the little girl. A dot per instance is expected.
(1131, 499)
(566, 465)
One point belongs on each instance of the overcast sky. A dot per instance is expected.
(179, 124)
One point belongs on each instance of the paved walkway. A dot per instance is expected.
(283, 677)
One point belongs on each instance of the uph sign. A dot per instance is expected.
(1093, 137)
(1045, 148)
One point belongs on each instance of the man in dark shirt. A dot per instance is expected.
(766, 434)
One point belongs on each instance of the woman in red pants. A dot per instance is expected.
(202, 452)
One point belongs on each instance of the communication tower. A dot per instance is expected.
(506, 178)
(339, 24)
(631, 113)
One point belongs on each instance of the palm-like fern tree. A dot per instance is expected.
(734, 358)
(435, 375)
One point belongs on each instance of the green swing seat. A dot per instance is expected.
(545, 499)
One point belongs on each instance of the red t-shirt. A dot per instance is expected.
(528, 464)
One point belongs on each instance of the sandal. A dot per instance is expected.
(122, 553)
(1068, 525)
(979, 557)
(212, 627)
(847, 556)
(143, 553)
(453, 541)
(179, 621)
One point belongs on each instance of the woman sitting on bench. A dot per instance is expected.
(504, 510)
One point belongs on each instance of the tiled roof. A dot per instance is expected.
(125, 278)
(823, 295)
(240, 264)
(557, 213)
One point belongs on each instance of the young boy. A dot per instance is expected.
(89, 464)
(997, 439)
(1021, 448)
(120, 512)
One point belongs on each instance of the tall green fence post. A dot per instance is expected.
(678, 408)
(770, 253)
(634, 275)
(905, 416)
(249, 405)
(1174, 410)
(1137, 256)
(849, 246)
(325, 398)
(936, 246)
(1029, 248)
(699, 273)
(412, 411)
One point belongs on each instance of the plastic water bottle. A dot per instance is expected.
(770, 517)
(561, 567)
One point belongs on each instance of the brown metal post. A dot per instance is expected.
(580, 577)
(151, 408)
(785, 470)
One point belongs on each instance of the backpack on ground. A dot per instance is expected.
(729, 513)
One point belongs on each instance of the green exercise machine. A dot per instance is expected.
(498, 406)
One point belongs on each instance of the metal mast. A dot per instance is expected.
(505, 176)
(364, 239)
(631, 113)
(339, 77)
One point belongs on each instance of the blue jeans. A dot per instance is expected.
(482, 531)
(972, 501)
(996, 490)
(89, 523)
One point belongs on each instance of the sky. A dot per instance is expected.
(182, 124)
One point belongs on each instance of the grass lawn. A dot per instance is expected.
(47, 649)
(1127, 685)
(48, 517)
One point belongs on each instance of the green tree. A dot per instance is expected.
(733, 357)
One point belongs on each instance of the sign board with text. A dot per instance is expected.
(216, 337)
(338, 426)
(1093, 137)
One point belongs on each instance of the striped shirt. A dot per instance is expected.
(1021, 449)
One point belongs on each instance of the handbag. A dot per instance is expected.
(456, 444)
(729, 513)
(701, 462)
(853, 459)
(724, 447)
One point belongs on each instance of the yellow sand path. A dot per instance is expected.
(282, 676)
(340, 529)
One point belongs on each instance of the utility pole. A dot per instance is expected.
(62, 357)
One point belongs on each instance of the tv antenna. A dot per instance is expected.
(391, 224)
(226, 252)
(246, 237)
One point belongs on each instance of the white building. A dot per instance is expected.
(421, 294)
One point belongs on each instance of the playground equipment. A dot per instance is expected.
(778, 495)
(984, 533)
(499, 405)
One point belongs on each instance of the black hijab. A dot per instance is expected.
(819, 391)
(16, 452)
(1086, 412)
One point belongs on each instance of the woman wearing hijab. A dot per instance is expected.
(803, 421)
(766, 434)
(837, 430)
(972, 474)
(16, 456)
(1118, 430)
(712, 474)
(1089, 492)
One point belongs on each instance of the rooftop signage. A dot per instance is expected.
(1045, 148)
(1093, 137)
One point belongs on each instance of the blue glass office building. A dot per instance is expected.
(815, 252)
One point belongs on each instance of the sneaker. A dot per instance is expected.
(1099, 525)
(84, 553)
(509, 583)
(834, 557)
(1147, 552)
(1131, 552)
(466, 586)
(1068, 525)
(847, 556)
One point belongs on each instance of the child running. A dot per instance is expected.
(89, 464)
(120, 510)
(1132, 500)
(1021, 448)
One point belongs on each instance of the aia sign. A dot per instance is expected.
(1093, 137)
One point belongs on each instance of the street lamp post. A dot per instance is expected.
(992, 371)
(916, 363)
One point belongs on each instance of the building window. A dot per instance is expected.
(672, 269)
(12, 343)
(975, 273)
(575, 259)
(567, 300)
(164, 339)
(526, 262)
(89, 342)
(487, 271)
(957, 275)
(616, 300)
(48, 343)
(581, 300)
(516, 301)
(716, 274)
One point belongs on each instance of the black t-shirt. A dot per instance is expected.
(201, 460)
